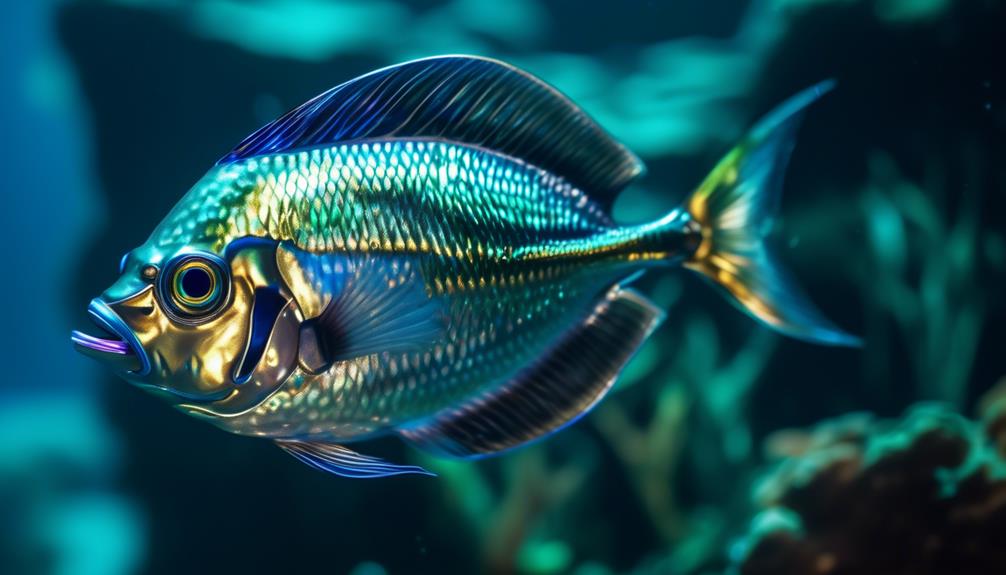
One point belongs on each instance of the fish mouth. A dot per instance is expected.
(117, 343)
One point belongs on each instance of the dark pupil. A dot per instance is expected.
(196, 283)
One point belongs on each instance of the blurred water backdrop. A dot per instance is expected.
(725, 448)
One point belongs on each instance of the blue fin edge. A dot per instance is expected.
(345, 462)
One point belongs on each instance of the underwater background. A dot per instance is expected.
(724, 449)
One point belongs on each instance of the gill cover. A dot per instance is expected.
(267, 318)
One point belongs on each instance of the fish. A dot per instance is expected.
(428, 251)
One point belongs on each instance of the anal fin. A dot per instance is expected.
(551, 393)
(345, 462)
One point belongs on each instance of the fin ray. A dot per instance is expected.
(734, 207)
(552, 393)
(345, 462)
(358, 306)
(465, 99)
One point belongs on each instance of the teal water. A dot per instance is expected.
(720, 437)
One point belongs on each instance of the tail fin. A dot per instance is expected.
(734, 207)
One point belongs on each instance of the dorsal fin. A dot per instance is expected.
(554, 391)
(464, 99)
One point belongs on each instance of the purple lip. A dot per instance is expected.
(100, 344)
(117, 343)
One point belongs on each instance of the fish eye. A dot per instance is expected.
(195, 283)
(195, 287)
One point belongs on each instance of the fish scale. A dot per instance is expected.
(484, 206)
(500, 200)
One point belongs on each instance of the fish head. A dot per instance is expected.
(211, 332)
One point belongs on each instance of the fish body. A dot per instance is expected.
(500, 254)
(428, 251)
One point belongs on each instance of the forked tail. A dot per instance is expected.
(734, 207)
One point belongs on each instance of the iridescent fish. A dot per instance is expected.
(428, 251)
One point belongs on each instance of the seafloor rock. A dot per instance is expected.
(922, 495)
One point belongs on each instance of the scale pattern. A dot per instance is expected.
(515, 254)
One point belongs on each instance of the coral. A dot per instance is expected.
(993, 411)
(925, 494)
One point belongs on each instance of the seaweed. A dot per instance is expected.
(506, 505)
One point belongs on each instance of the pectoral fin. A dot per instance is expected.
(381, 307)
(553, 392)
(356, 306)
(345, 462)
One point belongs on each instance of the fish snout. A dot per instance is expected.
(113, 342)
